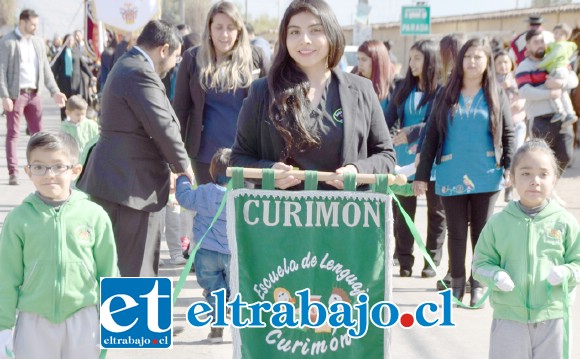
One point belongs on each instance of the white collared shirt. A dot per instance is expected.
(149, 60)
(28, 62)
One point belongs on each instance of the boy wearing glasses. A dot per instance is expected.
(54, 248)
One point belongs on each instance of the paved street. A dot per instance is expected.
(469, 339)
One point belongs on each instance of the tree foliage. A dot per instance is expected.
(195, 13)
(261, 23)
(8, 14)
(265, 23)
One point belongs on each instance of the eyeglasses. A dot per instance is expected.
(40, 170)
(178, 59)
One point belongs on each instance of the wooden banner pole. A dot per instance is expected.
(361, 178)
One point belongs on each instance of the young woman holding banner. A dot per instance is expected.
(308, 115)
(470, 137)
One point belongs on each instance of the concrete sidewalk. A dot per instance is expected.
(469, 339)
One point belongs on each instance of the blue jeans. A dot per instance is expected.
(213, 273)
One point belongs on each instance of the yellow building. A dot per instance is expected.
(504, 25)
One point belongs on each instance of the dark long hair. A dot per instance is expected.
(429, 74)
(503, 52)
(383, 71)
(65, 41)
(448, 48)
(446, 104)
(289, 85)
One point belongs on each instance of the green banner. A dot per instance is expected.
(334, 243)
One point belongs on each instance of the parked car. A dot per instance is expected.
(349, 58)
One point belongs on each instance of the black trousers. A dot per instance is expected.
(470, 211)
(137, 236)
(404, 241)
(561, 141)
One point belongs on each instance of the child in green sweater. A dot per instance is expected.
(524, 253)
(54, 249)
(76, 124)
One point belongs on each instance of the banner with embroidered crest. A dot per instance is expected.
(334, 243)
(126, 15)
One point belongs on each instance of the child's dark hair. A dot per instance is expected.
(535, 145)
(76, 102)
(218, 165)
(54, 142)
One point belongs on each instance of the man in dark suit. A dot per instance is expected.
(128, 171)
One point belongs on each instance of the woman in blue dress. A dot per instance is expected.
(449, 47)
(406, 116)
(470, 137)
(211, 84)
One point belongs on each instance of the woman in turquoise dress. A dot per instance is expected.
(406, 116)
(470, 138)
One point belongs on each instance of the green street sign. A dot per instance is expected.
(416, 20)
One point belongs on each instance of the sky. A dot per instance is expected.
(64, 16)
(390, 10)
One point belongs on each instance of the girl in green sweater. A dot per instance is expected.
(524, 253)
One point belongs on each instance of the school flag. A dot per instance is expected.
(126, 15)
(94, 33)
(334, 243)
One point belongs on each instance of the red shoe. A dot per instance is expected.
(184, 243)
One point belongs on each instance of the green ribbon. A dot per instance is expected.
(349, 181)
(566, 304)
(268, 178)
(311, 180)
(423, 250)
(381, 184)
(237, 177)
(187, 268)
